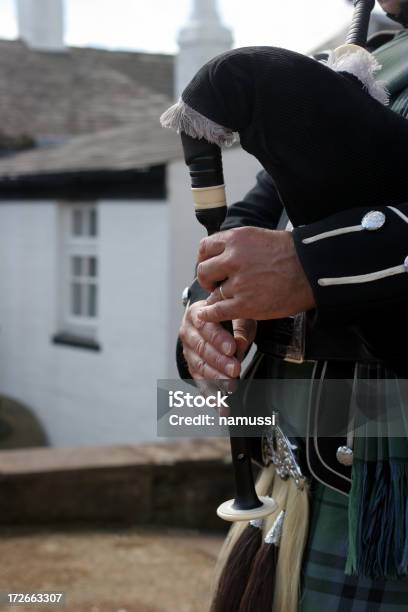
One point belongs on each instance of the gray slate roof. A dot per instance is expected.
(96, 109)
(136, 145)
(83, 90)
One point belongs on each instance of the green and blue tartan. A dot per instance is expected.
(326, 587)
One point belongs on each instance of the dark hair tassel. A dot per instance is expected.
(238, 567)
(260, 587)
(259, 592)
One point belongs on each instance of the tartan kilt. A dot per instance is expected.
(325, 585)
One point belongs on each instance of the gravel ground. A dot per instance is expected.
(110, 570)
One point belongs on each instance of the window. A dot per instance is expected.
(79, 287)
(83, 286)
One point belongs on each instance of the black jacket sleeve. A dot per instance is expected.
(261, 207)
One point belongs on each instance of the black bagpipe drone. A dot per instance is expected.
(323, 131)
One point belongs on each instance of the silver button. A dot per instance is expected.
(344, 455)
(185, 296)
(406, 263)
(373, 220)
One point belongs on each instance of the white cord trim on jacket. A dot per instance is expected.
(399, 213)
(331, 233)
(364, 278)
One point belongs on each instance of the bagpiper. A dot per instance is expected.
(312, 267)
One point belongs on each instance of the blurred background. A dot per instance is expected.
(97, 241)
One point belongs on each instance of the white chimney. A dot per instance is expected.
(41, 24)
(202, 38)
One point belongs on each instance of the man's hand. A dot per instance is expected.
(211, 352)
(260, 273)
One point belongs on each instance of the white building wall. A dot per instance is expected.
(80, 396)
(240, 170)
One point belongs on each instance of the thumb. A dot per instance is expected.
(244, 334)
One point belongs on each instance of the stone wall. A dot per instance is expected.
(178, 484)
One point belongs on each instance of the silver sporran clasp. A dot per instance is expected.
(278, 450)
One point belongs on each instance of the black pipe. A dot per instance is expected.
(205, 166)
(358, 32)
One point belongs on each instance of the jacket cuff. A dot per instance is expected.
(356, 261)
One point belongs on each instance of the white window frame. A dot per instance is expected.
(83, 246)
